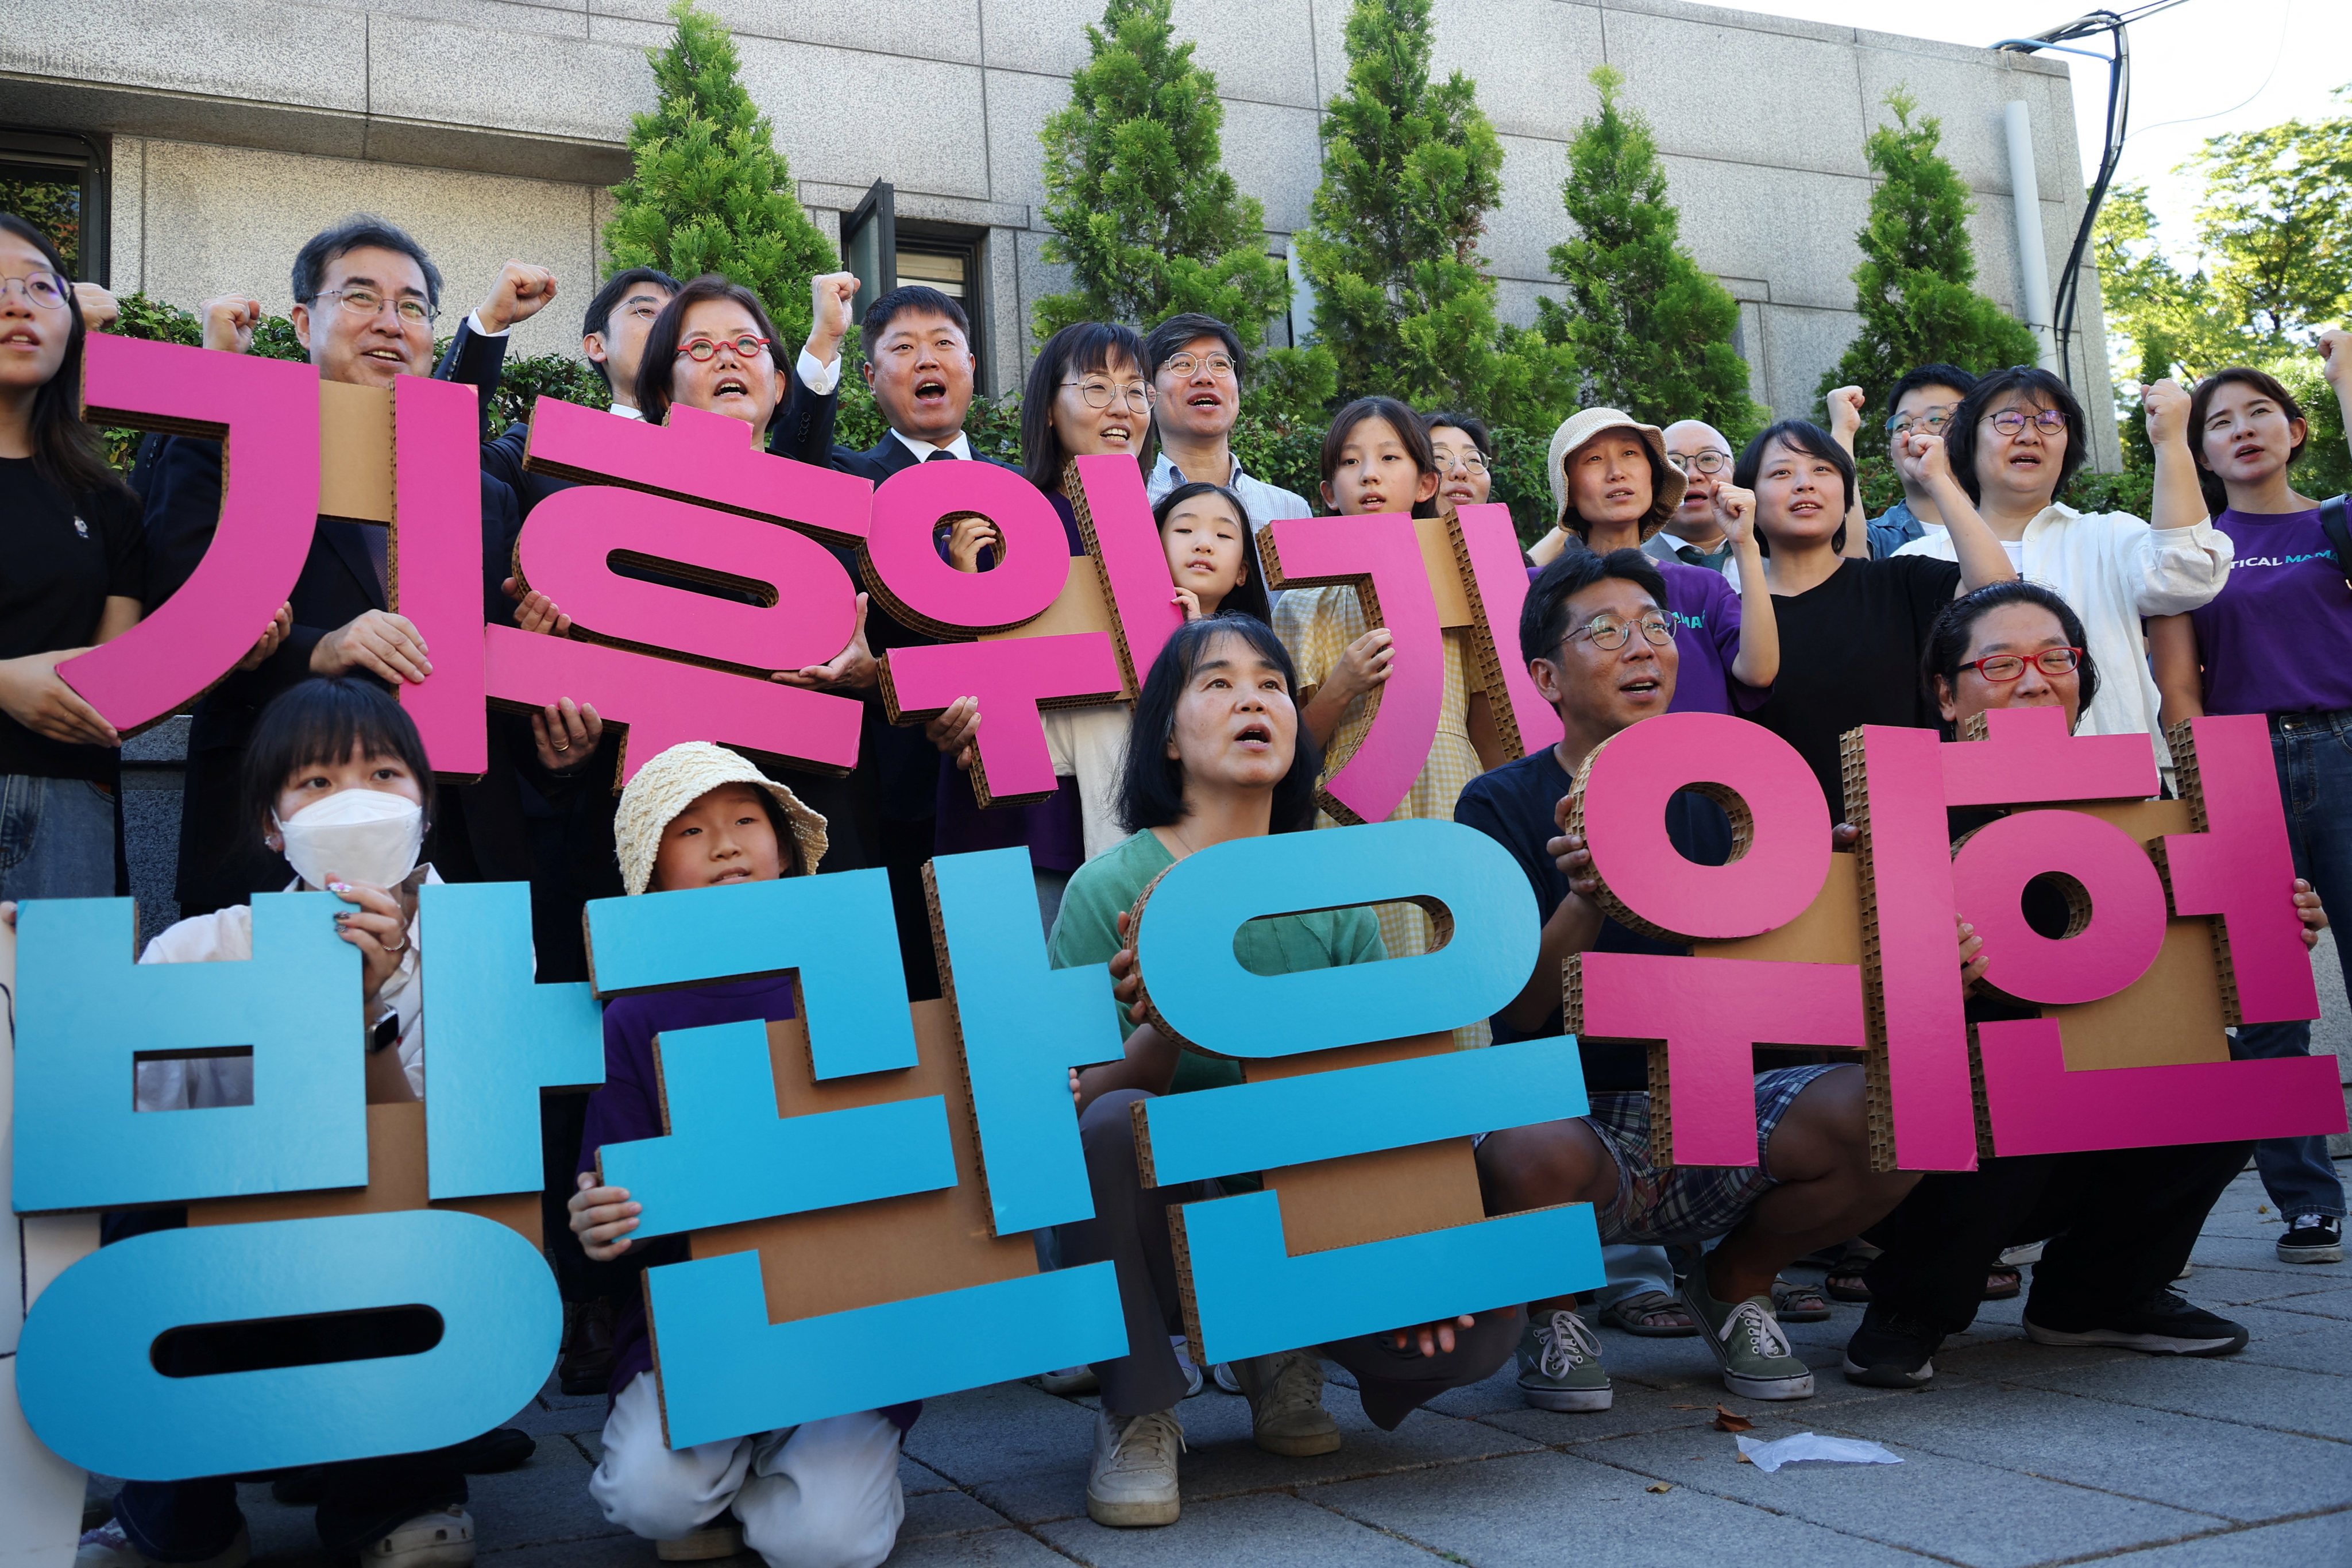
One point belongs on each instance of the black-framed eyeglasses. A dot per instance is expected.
(1099, 393)
(2012, 421)
(411, 311)
(1932, 418)
(702, 351)
(1181, 366)
(1608, 634)
(41, 287)
(1707, 462)
(2004, 667)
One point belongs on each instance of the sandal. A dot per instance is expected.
(2001, 1283)
(1795, 1303)
(1652, 1314)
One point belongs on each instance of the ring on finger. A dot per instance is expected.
(563, 746)
(402, 948)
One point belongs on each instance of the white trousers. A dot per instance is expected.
(821, 1495)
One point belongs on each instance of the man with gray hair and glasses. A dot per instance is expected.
(1922, 400)
(1691, 534)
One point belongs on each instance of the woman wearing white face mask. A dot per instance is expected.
(336, 781)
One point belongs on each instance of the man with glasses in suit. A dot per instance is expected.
(1692, 535)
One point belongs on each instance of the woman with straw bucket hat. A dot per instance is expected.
(699, 816)
(1612, 488)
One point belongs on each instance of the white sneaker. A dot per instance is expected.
(1286, 1395)
(441, 1539)
(1132, 1480)
(1182, 1347)
(1223, 1376)
(1070, 1382)
(2018, 1257)
(107, 1547)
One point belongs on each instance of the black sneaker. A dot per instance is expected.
(2164, 1324)
(1891, 1351)
(2313, 1238)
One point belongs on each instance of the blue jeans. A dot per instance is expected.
(2313, 753)
(56, 839)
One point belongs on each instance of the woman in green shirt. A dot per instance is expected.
(1216, 753)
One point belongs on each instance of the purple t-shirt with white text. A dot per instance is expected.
(2278, 636)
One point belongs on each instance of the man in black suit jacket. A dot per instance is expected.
(365, 294)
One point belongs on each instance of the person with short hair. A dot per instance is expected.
(2277, 641)
(1229, 760)
(1196, 368)
(2119, 1222)
(2013, 443)
(1464, 450)
(1851, 628)
(1692, 535)
(1598, 641)
(824, 1494)
(75, 577)
(1924, 399)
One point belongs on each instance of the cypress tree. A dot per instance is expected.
(1912, 286)
(709, 191)
(1142, 210)
(1410, 167)
(1652, 334)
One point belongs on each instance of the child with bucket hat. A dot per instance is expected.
(700, 815)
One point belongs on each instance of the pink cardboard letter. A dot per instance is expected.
(901, 557)
(1911, 974)
(1711, 1014)
(1780, 827)
(570, 539)
(1013, 680)
(2026, 757)
(1380, 556)
(2238, 869)
(2118, 898)
(436, 565)
(699, 456)
(2039, 1108)
(663, 702)
(1487, 551)
(1114, 514)
(266, 414)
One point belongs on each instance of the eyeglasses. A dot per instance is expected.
(1181, 366)
(1101, 394)
(1469, 458)
(2003, 667)
(1933, 417)
(702, 351)
(2048, 421)
(41, 287)
(1608, 634)
(1707, 462)
(413, 313)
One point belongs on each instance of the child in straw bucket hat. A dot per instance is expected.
(700, 816)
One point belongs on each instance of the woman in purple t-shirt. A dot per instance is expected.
(2277, 641)
(1612, 488)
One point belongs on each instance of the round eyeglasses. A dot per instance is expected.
(41, 287)
(1101, 394)
(1181, 366)
(2004, 667)
(1931, 419)
(411, 311)
(1707, 462)
(1608, 634)
(702, 351)
(2048, 421)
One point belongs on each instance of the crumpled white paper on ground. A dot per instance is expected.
(1771, 1456)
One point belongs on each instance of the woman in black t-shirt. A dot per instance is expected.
(1851, 628)
(70, 532)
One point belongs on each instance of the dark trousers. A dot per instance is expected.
(1129, 1230)
(2120, 1223)
(905, 847)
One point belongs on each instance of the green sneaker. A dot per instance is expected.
(1560, 1363)
(1748, 1343)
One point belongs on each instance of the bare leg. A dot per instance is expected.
(1548, 1163)
(1819, 1155)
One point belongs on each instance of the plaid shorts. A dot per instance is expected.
(1658, 1204)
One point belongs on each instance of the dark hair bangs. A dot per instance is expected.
(1151, 792)
(320, 723)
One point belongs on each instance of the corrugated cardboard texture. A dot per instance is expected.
(355, 452)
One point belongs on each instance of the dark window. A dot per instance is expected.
(949, 258)
(58, 184)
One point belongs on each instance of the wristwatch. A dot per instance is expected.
(384, 1031)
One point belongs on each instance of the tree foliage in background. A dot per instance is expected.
(53, 206)
(1411, 168)
(1912, 286)
(1650, 333)
(1142, 210)
(709, 192)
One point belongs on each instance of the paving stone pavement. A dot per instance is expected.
(2017, 1454)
